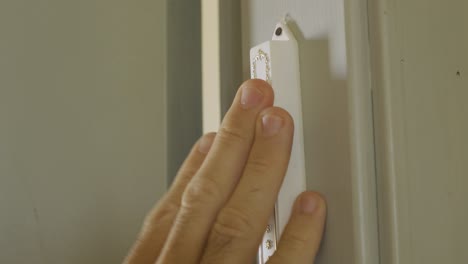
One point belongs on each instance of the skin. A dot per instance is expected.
(217, 209)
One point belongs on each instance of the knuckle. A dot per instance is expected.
(200, 192)
(232, 135)
(160, 214)
(295, 241)
(258, 165)
(184, 175)
(231, 224)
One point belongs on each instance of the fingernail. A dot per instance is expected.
(251, 97)
(271, 125)
(205, 144)
(309, 204)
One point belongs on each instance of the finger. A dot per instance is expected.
(190, 167)
(216, 179)
(303, 234)
(240, 224)
(159, 221)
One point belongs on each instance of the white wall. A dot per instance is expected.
(397, 68)
(420, 66)
(82, 127)
(320, 28)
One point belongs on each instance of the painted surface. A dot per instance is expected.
(320, 27)
(211, 66)
(82, 141)
(421, 64)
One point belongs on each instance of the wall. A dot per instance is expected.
(396, 68)
(330, 116)
(82, 127)
(184, 81)
(420, 64)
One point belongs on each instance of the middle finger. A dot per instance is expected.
(240, 224)
(218, 176)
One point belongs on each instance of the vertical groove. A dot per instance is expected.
(374, 140)
(230, 51)
(364, 163)
(376, 178)
(184, 108)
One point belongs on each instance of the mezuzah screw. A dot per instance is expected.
(278, 31)
(269, 244)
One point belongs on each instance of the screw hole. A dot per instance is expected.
(278, 31)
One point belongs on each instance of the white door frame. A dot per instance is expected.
(359, 85)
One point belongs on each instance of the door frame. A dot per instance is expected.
(359, 85)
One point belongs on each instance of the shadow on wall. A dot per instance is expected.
(327, 146)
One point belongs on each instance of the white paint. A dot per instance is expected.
(280, 60)
(336, 114)
(82, 127)
(363, 172)
(317, 19)
(211, 73)
(419, 59)
(421, 124)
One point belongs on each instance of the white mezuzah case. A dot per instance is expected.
(277, 62)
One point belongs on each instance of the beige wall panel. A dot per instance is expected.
(82, 127)
(421, 69)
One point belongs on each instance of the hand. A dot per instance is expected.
(217, 209)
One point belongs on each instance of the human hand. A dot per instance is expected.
(217, 209)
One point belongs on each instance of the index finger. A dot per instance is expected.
(217, 178)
